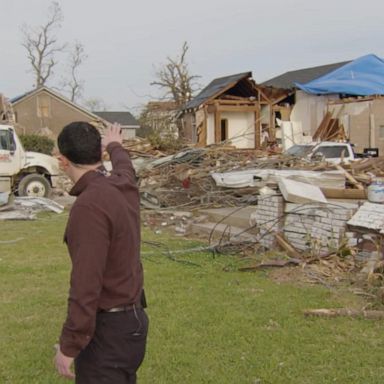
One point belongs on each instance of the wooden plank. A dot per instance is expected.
(217, 126)
(202, 137)
(232, 97)
(287, 247)
(240, 108)
(211, 108)
(324, 123)
(245, 101)
(257, 130)
(334, 193)
(345, 312)
(351, 179)
(331, 128)
(281, 98)
(367, 164)
(261, 93)
(272, 123)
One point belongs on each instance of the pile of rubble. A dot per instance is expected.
(316, 212)
(222, 176)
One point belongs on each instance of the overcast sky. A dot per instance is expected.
(126, 40)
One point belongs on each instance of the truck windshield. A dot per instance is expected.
(5, 140)
(299, 150)
(331, 152)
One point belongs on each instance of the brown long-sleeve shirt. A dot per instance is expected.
(103, 239)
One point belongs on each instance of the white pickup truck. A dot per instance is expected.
(330, 151)
(24, 173)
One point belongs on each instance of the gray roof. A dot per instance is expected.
(124, 118)
(288, 79)
(215, 88)
(19, 97)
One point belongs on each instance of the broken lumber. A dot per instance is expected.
(286, 245)
(334, 193)
(350, 177)
(271, 264)
(345, 312)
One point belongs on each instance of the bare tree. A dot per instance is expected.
(174, 78)
(42, 45)
(95, 104)
(74, 84)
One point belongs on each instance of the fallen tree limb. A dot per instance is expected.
(271, 264)
(345, 312)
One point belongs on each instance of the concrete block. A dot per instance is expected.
(298, 192)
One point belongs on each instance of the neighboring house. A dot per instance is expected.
(161, 117)
(350, 91)
(44, 111)
(226, 110)
(128, 123)
(287, 101)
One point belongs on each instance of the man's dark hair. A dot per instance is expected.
(80, 143)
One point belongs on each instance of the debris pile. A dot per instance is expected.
(25, 208)
(222, 176)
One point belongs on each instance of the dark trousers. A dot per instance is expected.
(116, 350)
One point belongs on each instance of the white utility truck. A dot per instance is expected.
(331, 151)
(25, 173)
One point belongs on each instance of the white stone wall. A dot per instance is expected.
(314, 226)
(318, 227)
(267, 218)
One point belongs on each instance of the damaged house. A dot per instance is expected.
(226, 110)
(344, 100)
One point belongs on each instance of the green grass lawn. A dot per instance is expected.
(208, 322)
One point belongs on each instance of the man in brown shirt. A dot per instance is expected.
(106, 327)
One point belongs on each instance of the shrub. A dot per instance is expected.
(37, 143)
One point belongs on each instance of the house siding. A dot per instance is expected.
(362, 121)
(60, 114)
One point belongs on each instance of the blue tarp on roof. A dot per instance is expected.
(361, 77)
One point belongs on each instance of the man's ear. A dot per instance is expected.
(63, 162)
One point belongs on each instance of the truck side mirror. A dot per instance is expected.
(318, 156)
(12, 147)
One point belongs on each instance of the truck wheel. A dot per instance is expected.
(34, 185)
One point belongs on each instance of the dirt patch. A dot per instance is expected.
(288, 275)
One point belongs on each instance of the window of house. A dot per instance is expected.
(381, 132)
(43, 106)
(224, 130)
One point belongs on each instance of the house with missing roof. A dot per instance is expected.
(305, 111)
(347, 96)
(129, 125)
(226, 110)
(45, 111)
